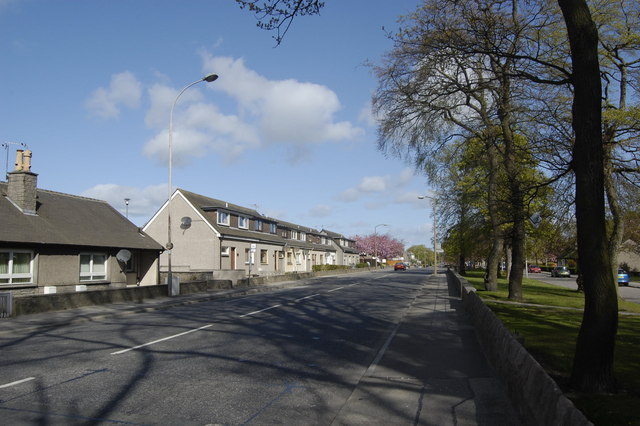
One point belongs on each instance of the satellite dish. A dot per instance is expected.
(185, 222)
(123, 256)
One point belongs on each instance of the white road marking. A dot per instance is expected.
(261, 310)
(307, 297)
(17, 382)
(335, 289)
(161, 340)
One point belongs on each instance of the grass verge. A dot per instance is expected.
(548, 322)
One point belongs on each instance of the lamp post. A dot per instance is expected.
(126, 204)
(375, 241)
(435, 240)
(175, 290)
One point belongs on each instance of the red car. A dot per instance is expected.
(534, 269)
(399, 266)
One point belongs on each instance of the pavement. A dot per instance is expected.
(445, 377)
(444, 380)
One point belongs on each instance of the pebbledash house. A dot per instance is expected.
(217, 239)
(53, 242)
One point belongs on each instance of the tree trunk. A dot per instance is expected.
(593, 362)
(493, 260)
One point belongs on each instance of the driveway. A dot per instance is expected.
(630, 293)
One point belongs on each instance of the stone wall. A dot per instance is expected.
(533, 393)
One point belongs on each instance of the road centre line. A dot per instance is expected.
(17, 382)
(261, 310)
(161, 340)
(209, 325)
(307, 297)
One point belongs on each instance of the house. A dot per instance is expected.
(346, 249)
(216, 239)
(54, 242)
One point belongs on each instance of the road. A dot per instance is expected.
(630, 293)
(372, 348)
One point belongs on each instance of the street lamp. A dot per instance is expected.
(126, 203)
(435, 243)
(174, 289)
(375, 242)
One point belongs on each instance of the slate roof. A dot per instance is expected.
(70, 220)
(208, 206)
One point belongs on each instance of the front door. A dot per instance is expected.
(232, 256)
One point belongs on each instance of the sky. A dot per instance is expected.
(88, 85)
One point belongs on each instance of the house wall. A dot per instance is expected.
(194, 249)
(257, 268)
(59, 267)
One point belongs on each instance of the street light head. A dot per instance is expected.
(210, 78)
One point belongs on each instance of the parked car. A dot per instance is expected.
(560, 271)
(623, 277)
(399, 266)
(534, 269)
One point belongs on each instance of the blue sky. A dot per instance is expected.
(88, 86)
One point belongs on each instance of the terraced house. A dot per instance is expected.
(214, 238)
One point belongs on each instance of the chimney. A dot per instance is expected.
(23, 183)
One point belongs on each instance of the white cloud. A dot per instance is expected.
(321, 210)
(124, 89)
(370, 185)
(143, 203)
(285, 111)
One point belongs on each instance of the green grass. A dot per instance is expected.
(550, 331)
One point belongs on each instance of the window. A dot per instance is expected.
(243, 222)
(298, 258)
(272, 228)
(258, 225)
(93, 266)
(264, 257)
(294, 235)
(224, 251)
(16, 267)
(303, 236)
(248, 257)
(223, 218)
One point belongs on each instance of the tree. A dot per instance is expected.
(422, 253)
(380, 246)
(593, 362)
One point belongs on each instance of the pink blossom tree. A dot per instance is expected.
(382, 246)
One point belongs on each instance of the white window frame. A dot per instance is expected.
(225, 251)
(258, 225)
(243, 222)
(249, 257)
(303, 236)
(11, 276)
(92, 275)
(264, 257)
(223, 218)
(273, 228)
(294, 235)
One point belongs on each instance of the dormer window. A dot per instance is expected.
(273, 228)
(258, 225)
(243, 222)
(223, 218)
(294, 235)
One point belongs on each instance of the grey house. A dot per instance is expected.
(54, 242)
(215, 238)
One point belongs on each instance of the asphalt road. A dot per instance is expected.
(630, 293)
(376, 348)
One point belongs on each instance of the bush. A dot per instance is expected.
(317, 268)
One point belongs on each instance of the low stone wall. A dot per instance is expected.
(534, 394)
(61, 301)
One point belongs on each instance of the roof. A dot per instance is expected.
(208, 205)
(70, 220)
